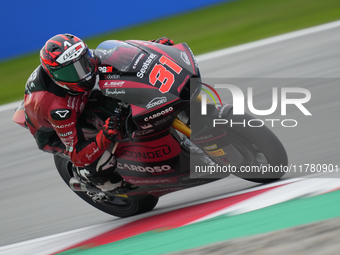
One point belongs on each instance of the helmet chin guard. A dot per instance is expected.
(68, 61)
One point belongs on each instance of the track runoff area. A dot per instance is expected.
(277, 206)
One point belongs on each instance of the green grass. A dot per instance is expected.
(205, 30)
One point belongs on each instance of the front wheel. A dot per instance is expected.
(265, 157)
(120, 207)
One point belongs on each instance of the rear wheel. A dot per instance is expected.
(120, 207)
(261, 150)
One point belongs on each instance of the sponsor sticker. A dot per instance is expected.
(61, 114)
(144, 169)
(158, 114)
(113, 84)
(146, 65)
(112, 76)
(137, 60)
(146, 126)
(145, 152)
(210, 147)
(71, 53)
(65, 134)
(114, 92)
(105, 69)
(144, 132)
(63, 126)
(204, 137)
(185, 58)
(156, 101)
(216, 153)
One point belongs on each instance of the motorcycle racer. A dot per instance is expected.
(56, 94)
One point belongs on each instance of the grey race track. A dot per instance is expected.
(35, 202)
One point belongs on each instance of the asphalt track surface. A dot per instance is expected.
(35, 202)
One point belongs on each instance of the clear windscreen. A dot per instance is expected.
(118, 54)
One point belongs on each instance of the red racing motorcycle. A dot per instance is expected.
(157, 88)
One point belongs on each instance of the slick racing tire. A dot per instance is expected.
(260, 147)
(120, 207)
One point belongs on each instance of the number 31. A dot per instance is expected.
(160, 73)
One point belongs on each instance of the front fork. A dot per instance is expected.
(215, 142)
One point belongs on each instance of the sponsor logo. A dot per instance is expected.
(167, 172)
(63, 126)
(222, 110)
(163, 120)
(144, 169)
(114, 84)
(216, 153)
(73, 103)
(67, 44)
(112, 76)
(146, 65)
(146, 126)
(105, 69)
(155, 102)
(137, 60)
(82, 106)
(158, 114)
(71, 53)
(65, 134)
(192, 54)
(121, 195)
(60, 114)
(68, 142)
(114, 92)
(144, 132)
(185, 58)
(89, 156)
(205, 137)
(180, 87)
(210, 147)
(29, 87)
(147, 152)
(148, 181)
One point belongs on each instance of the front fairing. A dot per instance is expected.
(147, 75)
(154, 79)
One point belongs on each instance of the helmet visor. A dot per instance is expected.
(76, 71)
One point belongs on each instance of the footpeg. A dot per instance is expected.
(78, 186)
(124, 188)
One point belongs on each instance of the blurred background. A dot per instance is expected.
(206, 25)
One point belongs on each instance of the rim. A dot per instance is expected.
(122, 203)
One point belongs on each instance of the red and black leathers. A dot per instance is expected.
(51, 116)
(51, 113)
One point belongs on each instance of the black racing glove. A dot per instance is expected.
(109, 132)
(164, 40)
(111, 127)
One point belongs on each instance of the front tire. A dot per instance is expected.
(120, 207)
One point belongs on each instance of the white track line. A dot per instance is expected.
(267, 41)
(239, 48)
(303, 188)
(10, 106)
(54, 243)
